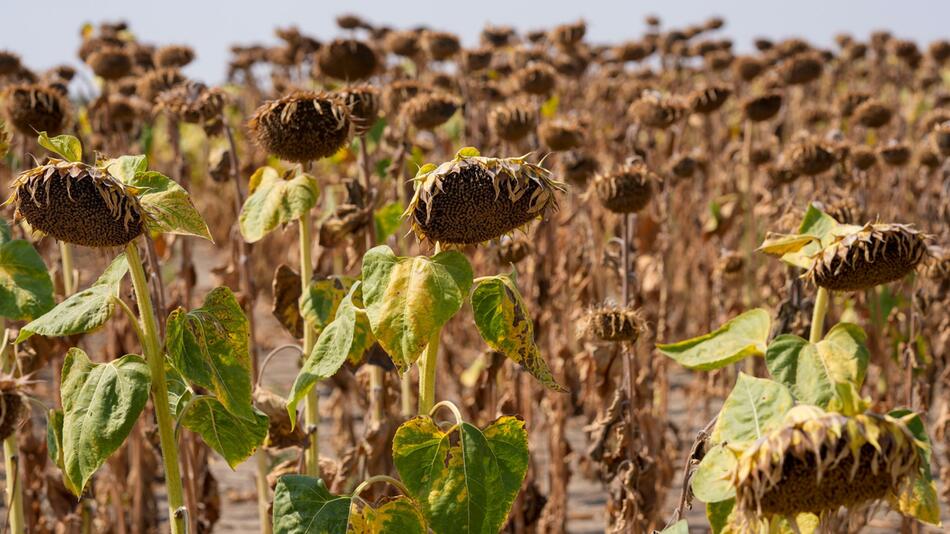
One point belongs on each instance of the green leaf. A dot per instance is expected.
(468, 486)
(26, 290)
(819, 227)
(742, 336)
(344, 338)
(408, 300)
(812, 371)
(397, 515)
(680, 527)
(5, 233)
(304, 505)
(319, 305)
(84, 311)
(918, 498)
(387, 219)
(66, 146)
(504, 323)
(711, 481)
(101, 403)
(755, 406)
(376, 132)
(719, 515)
(209, 347)
(382, 166)
(275, 201)
(169, 207)
(234, 438)
(126, 167)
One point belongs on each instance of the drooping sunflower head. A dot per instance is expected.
(347, 59)
(614, 324)
(430, 110)
(13, 406)
(35, 108)
(513, 121)
(302, 126)
(472, 199)
(363, 101)
(193, 102)
(628, 189)
(818, 462)
(868, 256)
(78, 203)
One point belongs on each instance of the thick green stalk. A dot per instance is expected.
(11, 461)
(312, 407)
(69, 280)
(152, 348)
(427, 375)
(818, 316)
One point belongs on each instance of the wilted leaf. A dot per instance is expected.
(275, 201)
(84, 311)
(66, 146)
(397, 515)
(286, 308)
(812, 371)
(169, 207)
(26, 290)
(209, 347)
(742, 336)
(340, 340)
(505, 324)
(710, 483)
(304, 505)
(819, 228)
(755, 406)
(101, 403)
(319, 304)
(466, 487)
(409, 299)
(234, 438)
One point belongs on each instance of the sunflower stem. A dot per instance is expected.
(818, 316)
(151, 346)
(427, 375)
(11, 458)
(312, 407)
(69, 278)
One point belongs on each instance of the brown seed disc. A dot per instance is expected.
(657, 112)
(173, 56)
(872, 114)
(78, 204)
(878, 254)
(36, 108)
(9, 62)
(614, 324)
(430, 110)
(537, 79)
(158, 81)
(709, 99)
(363, 102)
(513, 121)
(110, 62)
(763, 107)
(896, 155)
(627, 190)
(810, 158)
(347, 59)
(12, 412)
(559, 134)
(441, 45)
(303, 126)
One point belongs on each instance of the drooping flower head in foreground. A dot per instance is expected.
(79, 204)
(472, 199)
(868, 256)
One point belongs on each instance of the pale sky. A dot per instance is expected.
(46, 33)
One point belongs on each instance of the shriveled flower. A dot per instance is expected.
(36, 108)
(302, 126)
(156, 82)
(810, 157)
(78, 203)
(862, 157)
(9, 62)
(628, 189)
(561, 134)
(110, 62)
(399, 92)
(472, 199)
(513, 121)
(614, 324)
(866, 256)
(655, 111)
(430, 110)
(193, 102)
(801, 69)
(173, 56)
(579, 166)
(709, 99)
(363, 102)
(872, 113)
(895, 154)
(762, 107)
(116, 113)
(440, 45)
(537, 79)
(347, 59)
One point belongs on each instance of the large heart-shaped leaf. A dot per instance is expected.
(347, 337)
(755, 406)
(711, 481)
(811, 371)
(169, 207)
(408, 300)
(234, 438)
(101, 403)
(84, 311)
(397, 515)
(742, 336)
(468, 486)
(26, 290)
(209, 347)
(505, 324)
(275, 201)
(304, 505)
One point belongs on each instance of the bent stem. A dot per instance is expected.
(427, 375)
(818, 316)
(311, 409)
(11, 456)
(151, 346)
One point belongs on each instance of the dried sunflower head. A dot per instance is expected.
(110, 62)
(363, 102)
(472, 199)
(156, 82)
(614, 324)
(402, 43)
(513, 121)
(941, 138)
(862, 157)
(440, 45)
(13, 406)
(347, 59)
(173, 56)
(709, 99)
(818, 462)
(430, 110)
(116, 113)
(192, 102)
(9, 62)
(512, 250)
(302, 126)
(801, 69)
(579, 166)
(78, 203)
(895, 154)
(537, 78)
(656, 111)
(36, 108)
(763, 107)
(561, 134)
(810, 157)
(626, 190)
(476, 59)
(872, 113)
(862, 257)
(399, 92)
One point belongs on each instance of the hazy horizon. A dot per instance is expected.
(211, 27)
